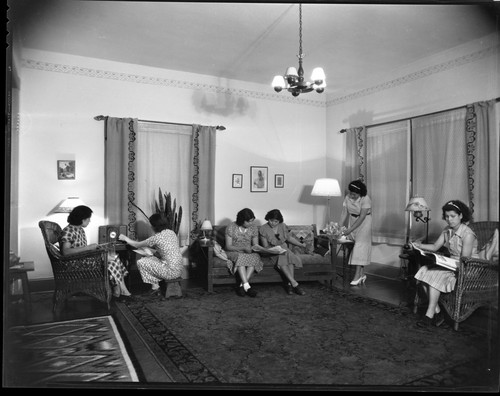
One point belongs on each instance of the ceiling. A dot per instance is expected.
(251, 41)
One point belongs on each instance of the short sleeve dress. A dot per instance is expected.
(438, 277)
(242, 238)
(76, 236)
(362, 236)
(279, 239)
(169, 265)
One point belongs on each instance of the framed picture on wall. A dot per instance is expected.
(258, 179)
(66, 169)
(279, 181)
(237, 180)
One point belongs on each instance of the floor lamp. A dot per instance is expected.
(326, 188)
(418, 205)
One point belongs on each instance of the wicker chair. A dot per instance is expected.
(477, 280)
(79, 273)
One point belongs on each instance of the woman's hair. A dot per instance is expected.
(158, 222)
(78, 214)
(458, 207)
(244, 215)
(274, 214)
(357, 186)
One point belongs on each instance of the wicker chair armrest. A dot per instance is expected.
(97, 254)
(82, 262)
(470, 262)
(477, 273)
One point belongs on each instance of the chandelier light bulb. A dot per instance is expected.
(318, 75)
(278, 83)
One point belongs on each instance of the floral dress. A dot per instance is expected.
(76, 236)
(362, 236)
(279, 239)
(438, 277)
(169, 265)
(242, 239)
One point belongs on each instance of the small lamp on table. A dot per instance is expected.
(205, 226)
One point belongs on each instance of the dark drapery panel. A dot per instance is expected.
(203, 174)
(482, 160)
(120, 168)
(355, 166)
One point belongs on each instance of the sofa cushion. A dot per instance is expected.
(304, 234)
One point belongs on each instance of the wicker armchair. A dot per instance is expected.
(79, 273)
(477, 280)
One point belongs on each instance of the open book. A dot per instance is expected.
(145, 251)
(443, 261)
(271, 250)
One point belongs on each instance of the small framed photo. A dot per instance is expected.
(258, 179)
(237, 180)
(279, 181)
(66, 170)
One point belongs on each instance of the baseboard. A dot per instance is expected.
(41, 285)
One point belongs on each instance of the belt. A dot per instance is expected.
(355, 215)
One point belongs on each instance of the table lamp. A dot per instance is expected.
(326, 188)
(418, 205)
(206, 226)
(67, 205)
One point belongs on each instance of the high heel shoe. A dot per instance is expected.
(360, 280)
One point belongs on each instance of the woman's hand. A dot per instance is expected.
(247, 250)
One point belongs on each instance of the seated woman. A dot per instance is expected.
(169, 263)
(241, 236)
(275, 233)
(73, 240)
(460, 241)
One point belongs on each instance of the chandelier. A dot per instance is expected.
(293, 81)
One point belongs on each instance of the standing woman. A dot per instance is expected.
(460, 240)
(241, 236)
(74, 240)
(357, 207)
(169, 263)
(275, 233)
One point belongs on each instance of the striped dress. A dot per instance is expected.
(438, 277)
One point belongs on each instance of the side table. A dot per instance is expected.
(344, 247)
(19, 289)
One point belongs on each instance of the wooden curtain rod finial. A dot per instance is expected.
(220, 127)
(343, 131)
(99, 118)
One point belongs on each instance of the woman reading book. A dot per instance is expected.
(275, 233)
(460, 241)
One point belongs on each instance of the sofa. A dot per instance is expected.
(318, 262)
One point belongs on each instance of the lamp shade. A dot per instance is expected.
(326, 188)
(68, 204)
(417, 204)
(206, 226)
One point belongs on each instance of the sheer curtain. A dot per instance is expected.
(388, 171)
(355, 165)
(439, 162)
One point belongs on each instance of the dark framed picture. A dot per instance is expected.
(66, 169)
(279, 181)
(237, 180)
(258, 179)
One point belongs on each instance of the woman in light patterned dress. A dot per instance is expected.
(460, 240)
(241, 235)
(169, 263)
(358, 207)
(74, 240)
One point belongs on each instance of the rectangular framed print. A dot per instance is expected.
(258, 179)
(279, 181)
(237, 180)
(66, 169)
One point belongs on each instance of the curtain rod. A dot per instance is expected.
(218, 127)
(408, 118)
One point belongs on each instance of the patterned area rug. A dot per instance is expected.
(69, 352)
(327, 338)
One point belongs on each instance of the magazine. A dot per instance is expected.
(145, 251)
(271, 250)
(443, 261)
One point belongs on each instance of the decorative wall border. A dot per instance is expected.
(416, 75)
(140, 79)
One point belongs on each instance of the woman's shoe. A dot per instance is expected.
(438, 319)
(289, 289)
(299, 291)
(360, 280)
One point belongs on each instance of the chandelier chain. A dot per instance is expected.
(300, 31)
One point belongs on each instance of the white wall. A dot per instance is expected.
(60, 95)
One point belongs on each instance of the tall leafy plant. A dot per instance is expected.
(167, 209)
